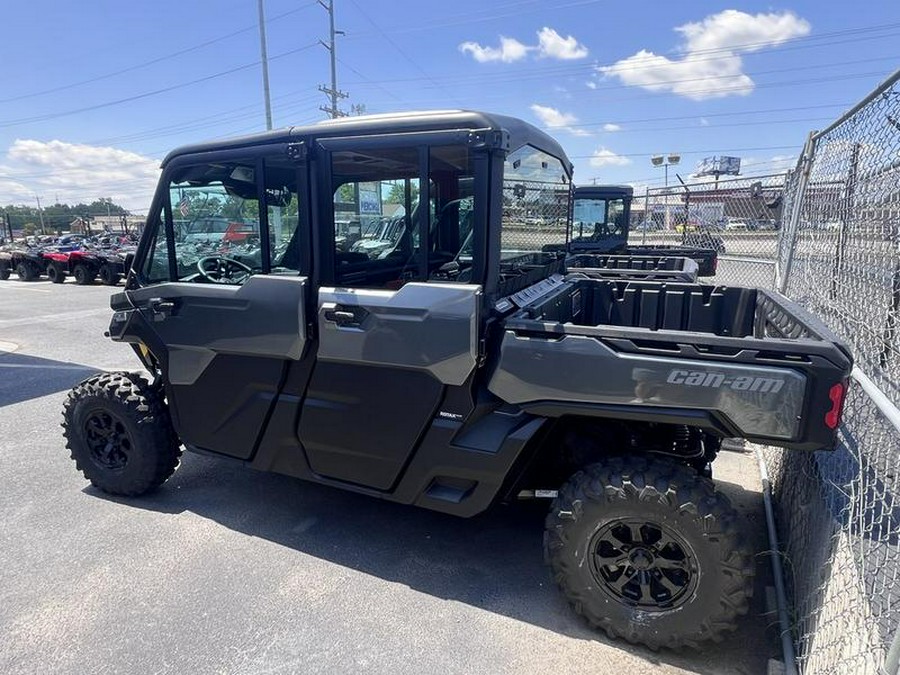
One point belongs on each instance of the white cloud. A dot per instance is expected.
(510, 50)
(553, 45)
(76, 173)
(556, 119)
(609, 126)
(591, 85)
(550, 45)
(738, 31)
(711, 65)
(552, 117)
(604, 157)
(778, 163)
(704, 122)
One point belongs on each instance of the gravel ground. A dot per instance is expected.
(226, 570)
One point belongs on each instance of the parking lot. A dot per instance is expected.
(229, 570)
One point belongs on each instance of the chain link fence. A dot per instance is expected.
(839, 512)
(535, 214)
(739, 218)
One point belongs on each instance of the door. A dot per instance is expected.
(225, 313)
(396, 327)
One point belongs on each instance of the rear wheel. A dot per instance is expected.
(55, 274)
(108, 276)
(26, 272)
(5, 273)
(119, 433)
(649, 551)
(83, 275)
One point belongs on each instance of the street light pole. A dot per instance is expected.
(40, 213)
(664, 161)
(265, 65)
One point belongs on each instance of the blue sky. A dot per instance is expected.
(93, 94)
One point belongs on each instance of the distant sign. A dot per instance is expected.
(370, 199)
(719, 166)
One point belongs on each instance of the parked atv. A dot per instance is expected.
(462, 369)
(56, 265)
(27, 262)
(89, 264)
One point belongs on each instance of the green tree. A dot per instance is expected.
(397, 194)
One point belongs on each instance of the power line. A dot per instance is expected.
(537, 74)
(216, 119)
(159, 59)
(137, 97)
(393, 43)
(764, 85)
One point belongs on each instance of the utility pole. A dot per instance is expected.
(265, 65)
(40, 213)
(332, 92)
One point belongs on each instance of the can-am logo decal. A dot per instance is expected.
(700, 378)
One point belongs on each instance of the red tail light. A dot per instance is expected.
(836, 394)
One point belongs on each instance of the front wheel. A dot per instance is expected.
(5, 273)
(649, 551)
(55, 274)
(119, 433)
(26, 272)
(83, 275)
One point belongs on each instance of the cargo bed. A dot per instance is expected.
(707, 259)
(633, 267)
(742, 362)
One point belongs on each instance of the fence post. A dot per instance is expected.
(892, 660)
(647, 217)
(790, 232)
(847, 208)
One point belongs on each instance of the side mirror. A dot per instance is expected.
(278, 197)
(129, 273)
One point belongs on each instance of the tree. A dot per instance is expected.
(397, 194)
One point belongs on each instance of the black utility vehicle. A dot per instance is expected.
(601, 224)
(461, 368)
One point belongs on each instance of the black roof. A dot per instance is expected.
(520, 133)
(603, 191)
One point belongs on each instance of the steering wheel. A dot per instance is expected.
(221, 270)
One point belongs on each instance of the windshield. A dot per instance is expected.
(594, 219)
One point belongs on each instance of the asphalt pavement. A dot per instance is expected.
(227, 570)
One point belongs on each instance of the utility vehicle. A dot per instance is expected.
(602, 215)
(461, 369)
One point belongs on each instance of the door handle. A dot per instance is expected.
(346, 317)
(160, 308)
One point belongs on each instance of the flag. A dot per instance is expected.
(184, 206)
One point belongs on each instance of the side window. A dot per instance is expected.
(536, 196)
(156, 265)
(283, 211)
(376, 202)
(215, 214)
(451, 175)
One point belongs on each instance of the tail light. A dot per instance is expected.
(836, 394)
